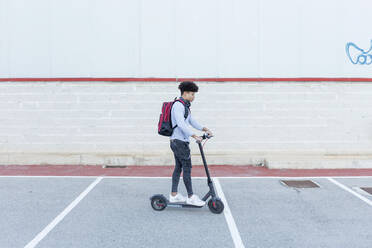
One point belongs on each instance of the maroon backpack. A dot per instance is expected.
(165, 120)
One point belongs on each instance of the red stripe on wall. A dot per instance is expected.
(87, 79)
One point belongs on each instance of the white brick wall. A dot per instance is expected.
(284, 125)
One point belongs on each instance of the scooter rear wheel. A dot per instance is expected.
(158, 202)
(216, 206)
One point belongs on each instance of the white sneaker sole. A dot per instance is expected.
(176, 201)
(173, 201)
(198, 205)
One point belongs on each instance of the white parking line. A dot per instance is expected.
(56, 220)
(369, 202)
(228, 216)
(167, 177)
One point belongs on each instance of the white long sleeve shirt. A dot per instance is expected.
(182, 131)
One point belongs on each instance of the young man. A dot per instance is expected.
(179, 143)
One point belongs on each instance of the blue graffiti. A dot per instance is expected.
(360, 56)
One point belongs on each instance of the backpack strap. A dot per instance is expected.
(184, 104)
(186, 108)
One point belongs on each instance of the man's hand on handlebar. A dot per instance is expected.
(209, 132)
(199, 139)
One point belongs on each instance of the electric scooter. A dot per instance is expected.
(159, 202)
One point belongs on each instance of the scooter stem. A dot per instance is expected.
(204, 162)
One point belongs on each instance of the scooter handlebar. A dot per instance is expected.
(204, 136)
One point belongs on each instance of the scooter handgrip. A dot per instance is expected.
(206, 136)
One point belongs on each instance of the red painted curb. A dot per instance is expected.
(150, 79)
(166, 171)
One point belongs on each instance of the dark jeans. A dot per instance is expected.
(182, 157)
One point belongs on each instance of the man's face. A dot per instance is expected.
(189, 95)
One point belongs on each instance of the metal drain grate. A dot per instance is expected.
(367, 189)
(300, 183)
(114, 166)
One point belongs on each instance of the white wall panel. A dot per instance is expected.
(322, 38)
(238, 38)
(158, 38)
(4, 37)
(71, 41)
(196, 38)
(357, 27)
(29, 38)
(115, 31)
(279, 40)
(178, 38)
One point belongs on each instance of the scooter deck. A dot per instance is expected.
(181, 205)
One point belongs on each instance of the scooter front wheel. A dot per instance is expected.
(158, 202)
(216, 206)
